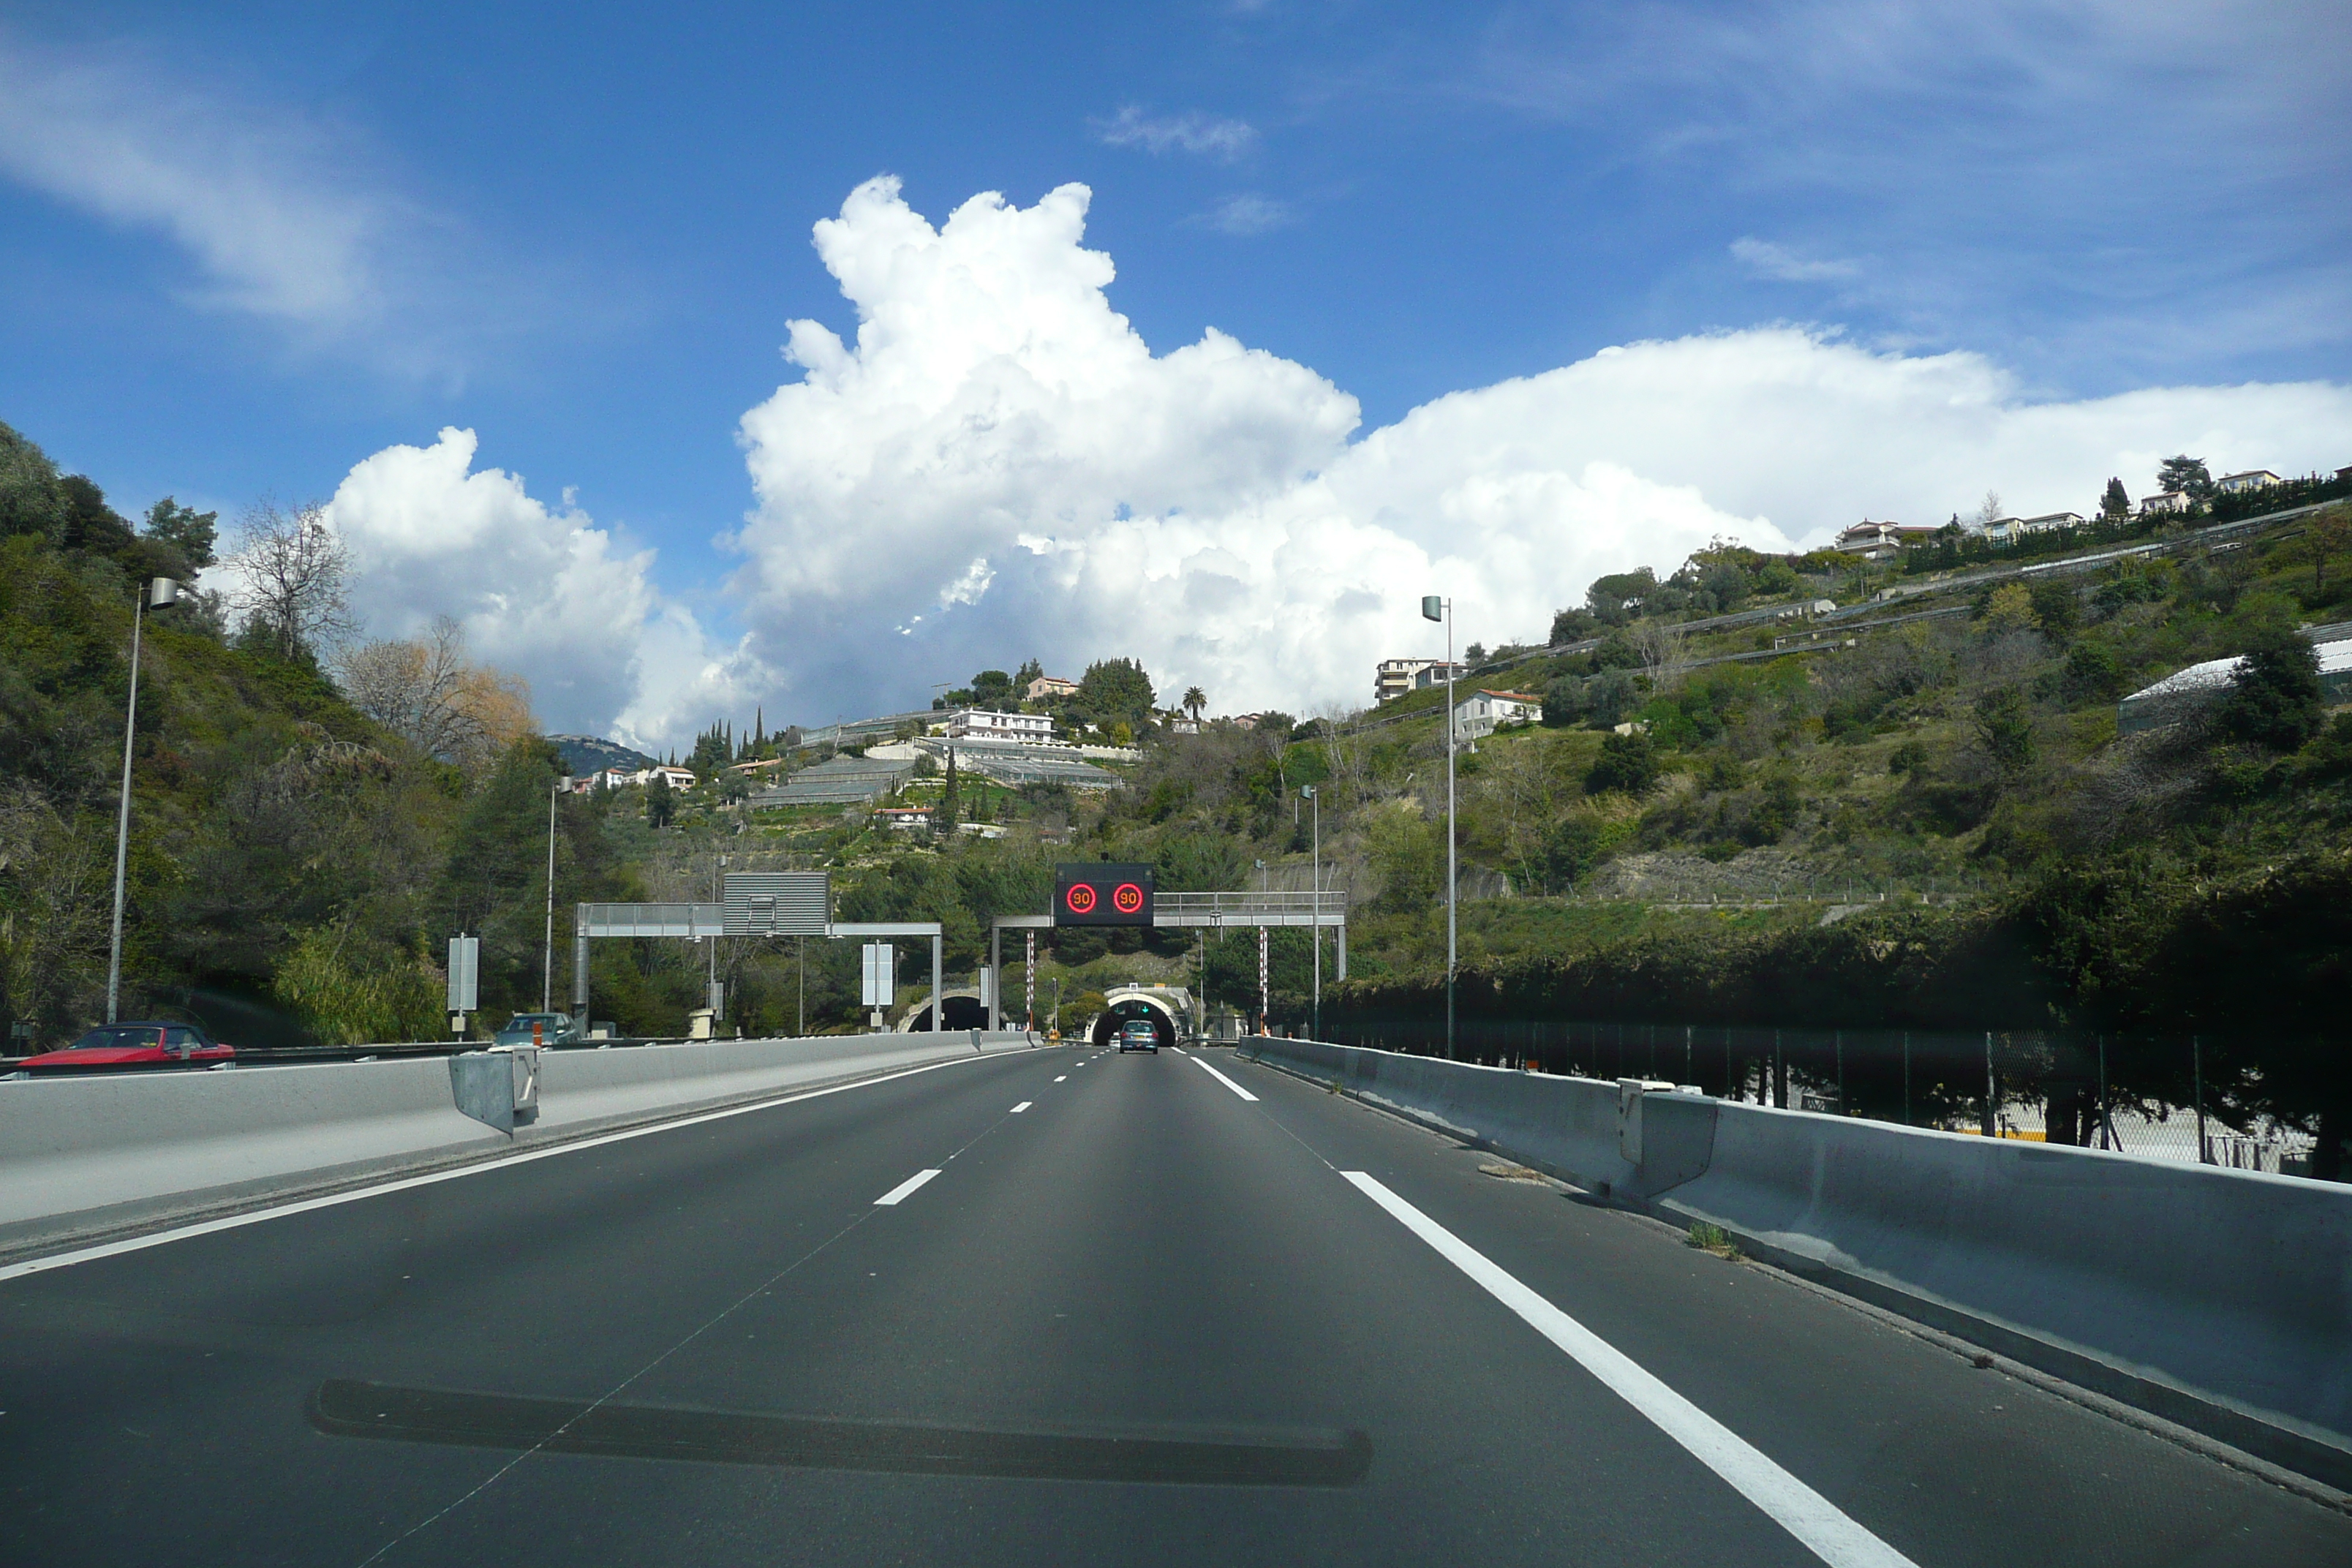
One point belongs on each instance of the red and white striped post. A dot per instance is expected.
(1264, 993)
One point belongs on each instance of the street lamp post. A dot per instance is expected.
(1315, 925)
(547, 953)
(1435, 608)
(159, 594)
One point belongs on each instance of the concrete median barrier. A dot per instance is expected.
(91, 1155)
(2218, 1299)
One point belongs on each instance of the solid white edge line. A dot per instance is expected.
(904, 1190)
(1021, 1107)
(1201, 1062)
(1803, 1512)
(304, 1206)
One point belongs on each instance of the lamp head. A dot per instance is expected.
(161, 592)
(1433, 607)
(1306, 792)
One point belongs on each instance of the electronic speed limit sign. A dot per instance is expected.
(1099, 894)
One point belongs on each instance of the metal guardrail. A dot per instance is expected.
(1329, 907)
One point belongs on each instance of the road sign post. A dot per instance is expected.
(880, 980)
(465, 981)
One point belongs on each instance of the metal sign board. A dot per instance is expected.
(881, 975)
(1102, 893)
(778, 903)
(465, 973)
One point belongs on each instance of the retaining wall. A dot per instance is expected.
(2220, 1300)
(86, 1154)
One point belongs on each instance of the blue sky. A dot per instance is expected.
(245, 248)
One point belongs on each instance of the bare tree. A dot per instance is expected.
(427, 691)
(1661, 647)
(1345, 752)
(296, 575)
(1990, 511)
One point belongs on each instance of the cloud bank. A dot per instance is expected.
(1000, 467)
(548, 595)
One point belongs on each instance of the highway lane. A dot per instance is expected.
(1143, 1319)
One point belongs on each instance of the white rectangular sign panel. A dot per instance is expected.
(465, 973)
(881, 975)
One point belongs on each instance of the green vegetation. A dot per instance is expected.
(1918, 816)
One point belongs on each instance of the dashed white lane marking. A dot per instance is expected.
(1022, 1106)
(1201, 1062)
(1063, 1078)
(1803, 1512)
(1179, 1050)
(905, 1189)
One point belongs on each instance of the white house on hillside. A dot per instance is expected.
(679, 778)
(979, 723)
(1483, 713)
(2164, 502)
(2254, 480)
(1878, 541)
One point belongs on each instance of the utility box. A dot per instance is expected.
(1630, 1092)
(699, 1024)
(498, 1086)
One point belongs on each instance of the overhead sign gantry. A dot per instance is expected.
(1089, 893)
(751, 904)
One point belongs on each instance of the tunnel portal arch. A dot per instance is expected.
(963, 1008)
(1129, 1005)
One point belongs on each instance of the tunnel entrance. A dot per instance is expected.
(963, 1010)
(1112, 1018)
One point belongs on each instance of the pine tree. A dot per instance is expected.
(2115, 504)
(943, 820)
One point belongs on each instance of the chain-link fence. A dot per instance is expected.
(2186, 1097)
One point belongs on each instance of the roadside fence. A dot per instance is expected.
(2195, 1098)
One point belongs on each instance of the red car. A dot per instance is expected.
(141, 1043)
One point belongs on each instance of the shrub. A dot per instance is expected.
(2093, 673)
(1628, 764)
(348, 995)
(2274, 700)
(2005, 729)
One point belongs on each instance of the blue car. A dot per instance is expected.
(1139, 1035)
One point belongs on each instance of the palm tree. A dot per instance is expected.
(1195, 702)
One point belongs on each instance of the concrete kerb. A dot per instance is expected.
(154, 1150)
(2218, 1301)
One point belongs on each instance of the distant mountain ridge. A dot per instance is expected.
(591, 755)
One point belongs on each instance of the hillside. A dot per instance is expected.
(295, 867)
(1738, 810)
(585, 754)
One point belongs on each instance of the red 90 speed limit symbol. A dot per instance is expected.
(1081, 898)
(1127, 898)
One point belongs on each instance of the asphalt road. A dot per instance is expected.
(1133, 1318)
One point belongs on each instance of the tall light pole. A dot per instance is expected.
(547, 954)
(1435, 608)
(159, 594)
(1315, 927)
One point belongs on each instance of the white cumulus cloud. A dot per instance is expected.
(1000, 467)
(548, 595)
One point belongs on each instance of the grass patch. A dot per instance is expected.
(1713, 1238)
